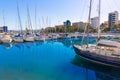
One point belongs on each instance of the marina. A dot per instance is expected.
(31, 61)
(16, 37)
(59, 40)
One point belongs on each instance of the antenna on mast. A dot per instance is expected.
(99, 11)
(3, 18)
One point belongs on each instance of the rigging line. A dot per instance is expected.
(83, 37)
(29, 19)
(35, 18)
(40, 24)
(82, 10)
(87, 24)
(116, 4)
(43, 22)
(19, 18)
(108, 5)
(84, 27)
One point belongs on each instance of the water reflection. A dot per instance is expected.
(7, 46)
(101, 72)
(69, 42)
(39, 43)
(20, 45)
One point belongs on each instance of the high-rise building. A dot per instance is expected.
(95, 22)
(67, 23)
(113, 19)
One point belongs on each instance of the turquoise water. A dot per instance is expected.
(50, 60)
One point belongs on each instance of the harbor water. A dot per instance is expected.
(50, 60)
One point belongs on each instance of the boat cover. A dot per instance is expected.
(108, 43)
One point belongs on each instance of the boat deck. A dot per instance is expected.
(101, 51)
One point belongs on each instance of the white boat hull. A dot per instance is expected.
(18, 40)
(37, 38)
(6, 40)
(29, 39)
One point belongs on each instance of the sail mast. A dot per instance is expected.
(29, 19)
(35, 19)
(88, 22)
(99, 21)
(3, 18)
(20, 24)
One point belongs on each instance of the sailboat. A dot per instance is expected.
(6, 37)
(105, 52)
(29, 36)
(19, 36)
(36, 34)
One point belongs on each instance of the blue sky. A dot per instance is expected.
(53, 12)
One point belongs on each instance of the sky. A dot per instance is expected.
(52, 12)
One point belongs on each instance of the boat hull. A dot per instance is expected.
(29, 39)
(100, 59)
(6, 41)
(37, 38)
(18, 40)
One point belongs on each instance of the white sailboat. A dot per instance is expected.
(29, 36)
(6, 38)
(36, 34)
(19, 36)
(104, 52)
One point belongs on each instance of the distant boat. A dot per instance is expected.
(29, 36)
(6, 38)
(1, 36)
(36, 34)
(19, 36)
(37, 37)
(105, 52)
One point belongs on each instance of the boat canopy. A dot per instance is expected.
(108, 43)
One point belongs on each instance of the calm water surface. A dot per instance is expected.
(50, 60)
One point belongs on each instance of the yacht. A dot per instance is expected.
(6, 38)
(29, 37)
(104, 52)
(37, 37)
(18, 38)
(29, 34)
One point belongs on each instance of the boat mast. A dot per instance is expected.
(35, 20)
(88, 23)
(98, 38)
(20, 24)
(29, 20)
(3, 18)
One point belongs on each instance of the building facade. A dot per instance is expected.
(79, 24)
(3, 29)
(113, 19)
(95, 22)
